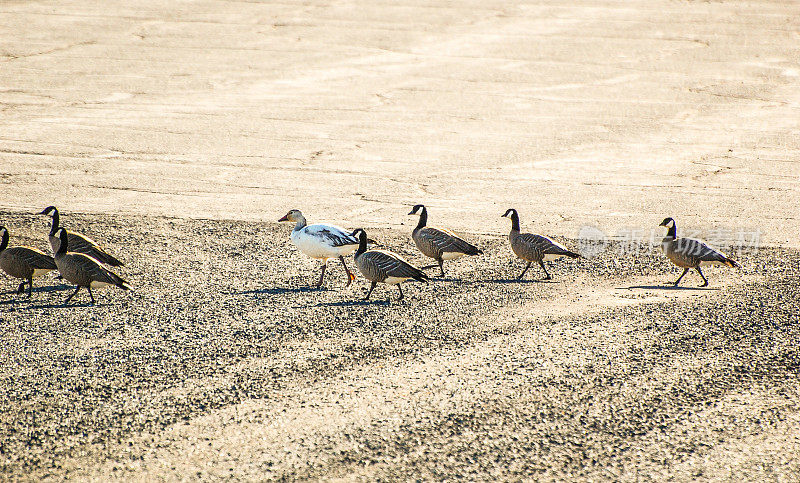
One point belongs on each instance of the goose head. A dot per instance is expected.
(293, 216)
(417, 210)
(509, 213)
(3, 238)
(50, 211)
(668, 222)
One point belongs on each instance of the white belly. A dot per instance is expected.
(312, 247)
(549, 257)
(395, 280)
(99, 284)
(704, 263)
(451, 255)
(38, 272)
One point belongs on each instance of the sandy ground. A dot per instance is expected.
(223, 363)
(178, 132)
(607, 113)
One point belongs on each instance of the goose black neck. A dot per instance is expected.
(54, 225)
(672, 231)
(514, 221)
(4, 241)
(423, 218)
(62, 245)
(362, 243)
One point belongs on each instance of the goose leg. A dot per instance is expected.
(547, 275)
(401, 292)
(90, 294)
(441, 268)
(21, 288)
(30, 286)
(679, 278)
(371, 288)
(350, 276)
(72, 295)
(322, 274)
(705, 282)
(523, 271)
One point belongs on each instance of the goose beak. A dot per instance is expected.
(284, 218)
(43, 212)
(411, 212)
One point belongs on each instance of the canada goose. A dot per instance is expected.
(83, 270)
(438, 243)
(534, 248)
(690, 253)
(78, 243)
(322, 241)
(23, 262)
(384, 266)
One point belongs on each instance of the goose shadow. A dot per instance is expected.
(518, 281)
(66, 306)
(279, 290)
(667, 287)
(17, 297)
(354, 303)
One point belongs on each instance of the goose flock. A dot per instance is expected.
(83, 262)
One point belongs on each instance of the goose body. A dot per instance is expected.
(383, 266)
(534, 248)
(322, 241)
(438, 243)
(22, 262)
(688, 253)
(83, 270)
(78, 243)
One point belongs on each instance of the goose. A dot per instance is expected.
(534, 248)
(689, 253)
(83, 270)
(23, 262)
(384, 266)
(322, 241)
(438, 243)
(78, 243)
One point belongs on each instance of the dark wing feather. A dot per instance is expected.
(392, 265)
(538, 243)
(82, 244)
(699, 250)
(97, 272)
(332, 235)
(33, 257)
(447, 241)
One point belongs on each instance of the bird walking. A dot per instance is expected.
(439, 243)
(322, 241)
(384, 266)
(534, 248)
(78, 243)
(23, 262)
(689, 253)
(83, 270)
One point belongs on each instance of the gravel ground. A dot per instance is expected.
(222, 363)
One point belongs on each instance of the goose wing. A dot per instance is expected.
(386, 264)
(698, 250)
(36, 259)
(542, 244)
(447, 241)
(330, 235)
(95, 271)
(80, 243)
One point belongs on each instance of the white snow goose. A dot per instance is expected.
(322, 241)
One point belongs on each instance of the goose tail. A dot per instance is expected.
(731, 263)
(419, 276)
